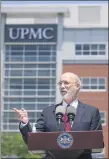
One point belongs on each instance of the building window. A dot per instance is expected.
(93, 83)
(90, 49)
(29, 80)
(103, 117)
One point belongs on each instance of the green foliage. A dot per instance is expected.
(13, 144)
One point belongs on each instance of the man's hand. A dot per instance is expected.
(23, 115)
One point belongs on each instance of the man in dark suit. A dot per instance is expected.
(87, 117)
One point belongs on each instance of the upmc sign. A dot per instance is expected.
(31, 33)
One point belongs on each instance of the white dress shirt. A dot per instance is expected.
(73, 104)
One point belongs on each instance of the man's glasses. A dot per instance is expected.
(65, 83)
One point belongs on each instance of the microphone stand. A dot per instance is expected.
(71, 118)
(71, 122)
(59, 118)
(58, 123)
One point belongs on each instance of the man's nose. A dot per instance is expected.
(62, 85)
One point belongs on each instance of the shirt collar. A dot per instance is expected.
(73, 104)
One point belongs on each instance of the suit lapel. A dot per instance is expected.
(79, 115)
(78, 118)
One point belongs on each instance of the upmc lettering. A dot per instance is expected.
(22, 33)
(31, 33)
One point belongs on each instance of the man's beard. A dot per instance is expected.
(68, 96)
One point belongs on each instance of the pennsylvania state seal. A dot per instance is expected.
(65, 140)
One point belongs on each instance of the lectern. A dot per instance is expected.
(71, 144)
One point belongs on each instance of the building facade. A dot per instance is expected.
(39, 42)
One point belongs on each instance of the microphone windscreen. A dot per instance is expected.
(60, 109)
(71, 109)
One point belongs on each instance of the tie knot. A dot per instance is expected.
(68, 105)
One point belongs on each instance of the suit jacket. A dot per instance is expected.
(87, 118)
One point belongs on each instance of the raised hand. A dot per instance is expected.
(23, 115)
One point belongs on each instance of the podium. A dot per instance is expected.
(61, 144)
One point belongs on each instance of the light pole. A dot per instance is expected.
(2, 24)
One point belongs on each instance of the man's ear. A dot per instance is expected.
(77, 85)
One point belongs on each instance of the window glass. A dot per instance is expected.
(29, 75)
(85, 80)
(78, 47)
(102, 47)
(90, 49)
(16, 47)
(86, 53)
(94, 47)
(86, 47)
(93, 83)
(101, 81)
(30, 47)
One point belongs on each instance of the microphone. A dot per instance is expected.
(60, 111)
(71, 111)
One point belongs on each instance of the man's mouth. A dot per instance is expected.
(63, 92)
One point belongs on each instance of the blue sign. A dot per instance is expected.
(31, 33)
(65, 140)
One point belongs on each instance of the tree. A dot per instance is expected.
(12, 144)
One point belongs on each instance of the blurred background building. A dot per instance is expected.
(38, 43)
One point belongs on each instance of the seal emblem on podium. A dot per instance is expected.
(65, 140)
